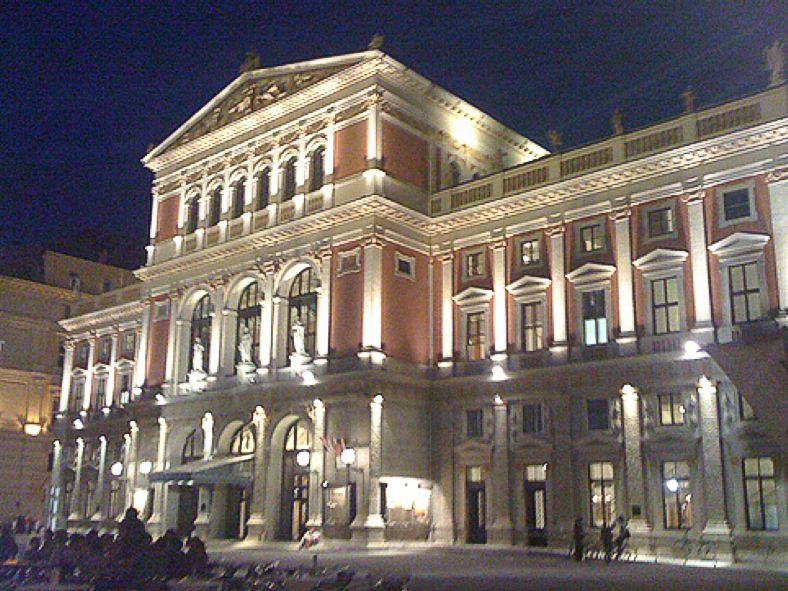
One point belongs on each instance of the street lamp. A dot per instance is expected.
(303, 457)
(116, 469)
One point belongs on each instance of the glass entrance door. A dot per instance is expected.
(295, 499)
(536, 504)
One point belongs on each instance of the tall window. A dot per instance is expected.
(760, 494)
(100, 392)
(676, 495)
(745, 292)
(298, 437)
(474, 264)
(289, 179)
(248, 319)
(476, 336)
(193, 214)
(736, 204)
(124, 390)
(602, 491)
(201, 328)
(594, 318)
(263, 188)
(532, 418)
(671, 410)
(532, 328)
(239, 189)
(317, 166)
(474, 423)
(665, 305)
(77, 396)
(529, 252)
(192, 447)
(598, 410)
(243, 441)
(215, 209)
(302, 309)
(660, 222)
(591, 238)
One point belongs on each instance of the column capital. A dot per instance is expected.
(497, 244)
(694, 196)
(777, 174)
(555, 229)
(621, 214)
(446, 257)
(259, 417)
(372, 240)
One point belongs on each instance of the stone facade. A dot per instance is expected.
(370, 308)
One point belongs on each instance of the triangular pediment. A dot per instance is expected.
(591, 272)
(740, 243)
(528, 284)
(473, 296)
(661, 258)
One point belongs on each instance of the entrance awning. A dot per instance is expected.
(224, 470)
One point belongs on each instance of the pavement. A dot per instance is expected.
(485, 568)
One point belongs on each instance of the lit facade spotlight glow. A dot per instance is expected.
(146, 467)
(317, 403)
(303, 457)
(309, 378)
(691, 347)
(378, 399)
(497, 400)
(672, 485)
(78, 424)
(116, 469)
(348, 456)
(498, 373)
(160, 398)
(33, 429)
(83, 413)
(106, 410)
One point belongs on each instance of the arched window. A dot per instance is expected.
(201, 328)
(215, 209)
(248, 317)
(193, 214)
(289, 179)
(263, 188)
(243, 441)
(238, 198)
(317, 173)
(298, 437)
(192, 447)
(302, 308)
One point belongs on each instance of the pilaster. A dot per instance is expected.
(373, 295)
(140, 368)
(89, 374)
(627, 338)
(324, 305)
(110, 394)
(558, 289)
(157, 521)
(633, 461)
(65, 385)
(75, 510)
(500, 328)
(317, 464)
(499, 531)
(700, 265)
(447, 306)
(101, 480)
(778, 201)
(257, 525)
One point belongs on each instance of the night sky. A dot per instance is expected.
(87, 86)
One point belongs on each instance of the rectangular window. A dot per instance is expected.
(532, 418)
(745, 292)
(760, 494)
(666, 317)
(676, 495)
(536, 472)
(602, 491)
(529, 252)
(82, 354)
(348, 263)
(532, 326)
(598, 414)
(474, 423)
(671, 410)
(736, 204)
(105, 350)
(161, 310)
(660, 222)
(77, 395)
(594, 318)
(101, 390)
(746, 413)
(474, 474)
(404, 266)
(128, 343)
(476, 335)
(125, 388)
(591, 238)
(474, 264)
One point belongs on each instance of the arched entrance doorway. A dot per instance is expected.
(294, 507)
(238, 496)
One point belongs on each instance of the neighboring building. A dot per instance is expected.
(37, 289)
(342, 327)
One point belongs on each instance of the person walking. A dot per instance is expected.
(577, 535)
(606, 538)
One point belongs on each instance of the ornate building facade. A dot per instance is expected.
(370, 308)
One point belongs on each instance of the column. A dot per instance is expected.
(627, 338)
(700, 266)
(633, 462)
(156, 522)
(324, 306)
(499, 530)
(131, 463)
(65, 386)
(142, 347)
(561, 474)
(374, 174)
(447, 307)
(778, 201)
(57, 512)
(441, 458)
(374, 523)
(109, 397)
(89, 374)
(711, 461)
(99, 513)
(558, 288)
(171, 363)
(278, 318)
(204, 493)
(267, 320)
(328, 165)
(316, 464)
(257, 524)
(501, 328)
(216, 329)
(373, 295)
(75, 511)
(227, 348)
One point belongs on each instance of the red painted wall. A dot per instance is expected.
(405, 308)
(405, 156)
(347, 306)
(350, 150)
(167, 218)
(157, 349)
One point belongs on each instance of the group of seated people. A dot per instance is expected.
(130, 556)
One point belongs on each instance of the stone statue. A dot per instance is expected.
(556, 140)
(617, 121)
(198, 353)
(688, 96)
(775, 62)
(245, 345)
(376, 42)
(250, 63)
(298, 331)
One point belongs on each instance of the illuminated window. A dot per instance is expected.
(529, 252)
(243, 441)
(592, 238)
(476, 336)
(474, 423)
(263, 189)
(289, 179)
(317, 169)
(602, 491)
(302, 308)
(201, 326)
(474, 474)
(745, 293)
(128, 343)
(239, 189)
(474, 264)
(532, 326)
(298, 437)
(598, 412)
(760, 494)
(666, 316)
(594, 318)
(660, 222)
(192, 447)
(248, 319)
(677, 498)
(671, 410)
(532, 418)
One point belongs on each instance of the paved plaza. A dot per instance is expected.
(486, 569)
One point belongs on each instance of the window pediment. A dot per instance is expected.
(661, 258)
(78, 372)
(591, 273)
(738, 244)
(101, 368)
(125, 363)
(528, 285)
(473, 296)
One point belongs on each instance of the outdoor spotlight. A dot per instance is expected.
(691, 347)
(348, 456)
(78, 424)
(672, 485)
(83, 413)
(378, 399)
(309, 378)
(116, 469)
(146, 467)
(32, 429)
(498, 373)
(105, 410)
(159, 398)
(303, 457)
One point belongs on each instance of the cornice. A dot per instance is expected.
(34, 287)
(93, 320)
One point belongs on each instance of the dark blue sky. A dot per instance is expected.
(87, 86)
